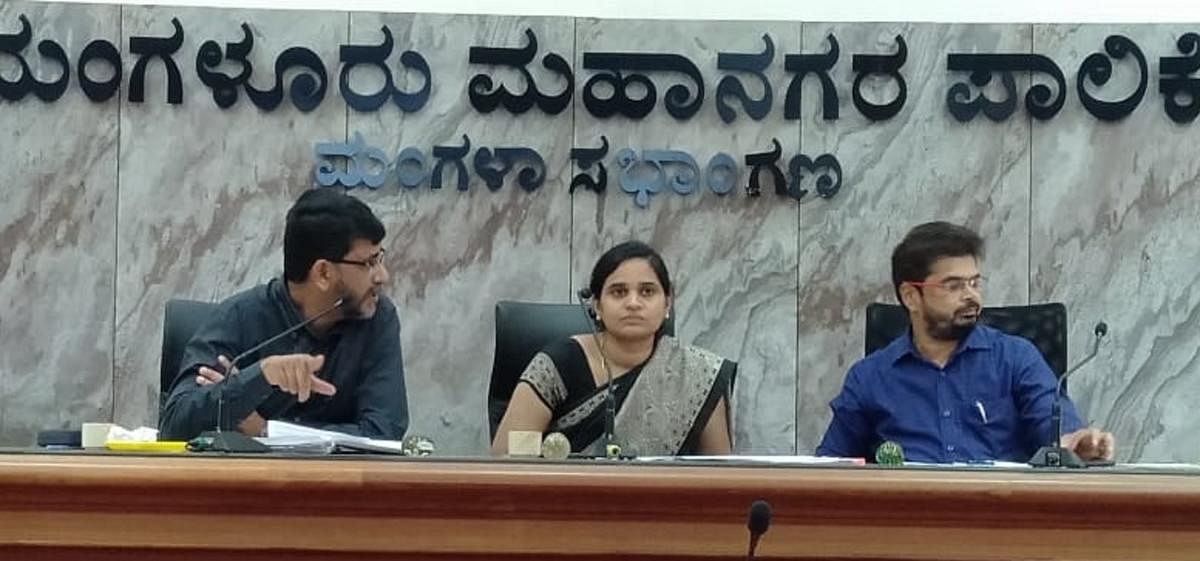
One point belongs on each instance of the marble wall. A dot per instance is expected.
(202, 191)
(452, 253)
(115, 207)
(733, 257)
(1113, 234)
(58, 232)
(918, 166)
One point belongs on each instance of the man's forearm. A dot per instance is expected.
(193, 408)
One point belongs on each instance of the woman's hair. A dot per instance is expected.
(613, 258)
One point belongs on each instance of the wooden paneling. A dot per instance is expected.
(100, 507)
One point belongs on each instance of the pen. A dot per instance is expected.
(982, 411)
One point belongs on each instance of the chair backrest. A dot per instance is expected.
(181, 320)
(523, 329)
(1045, 325)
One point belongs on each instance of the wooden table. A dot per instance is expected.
(120, 507)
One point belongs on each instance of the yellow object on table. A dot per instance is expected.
(155, 446)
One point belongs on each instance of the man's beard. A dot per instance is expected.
(955, 327)
(352, 305)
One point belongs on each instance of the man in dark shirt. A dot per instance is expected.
(342, 372)
(950, 390)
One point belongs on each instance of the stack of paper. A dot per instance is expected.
(288, 436)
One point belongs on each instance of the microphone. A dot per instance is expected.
(1098, 332)
(757, 522)
(336, 305)
(234, 441)
(1054, 455)
(612, 450)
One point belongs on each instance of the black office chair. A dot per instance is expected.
(1045, 325)
(181, 320)
(523, 329)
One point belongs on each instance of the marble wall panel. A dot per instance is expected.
(57, 232)
(204, 190)
(732, 257)
(918, 166)
(453, 254)
(1113, 228)
(114, 207)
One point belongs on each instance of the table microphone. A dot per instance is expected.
(1054, 455)
(233, 441)
(612, 450)
(757, 522)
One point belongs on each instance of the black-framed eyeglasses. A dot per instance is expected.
(368, 264)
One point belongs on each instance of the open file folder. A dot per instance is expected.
(288, 437)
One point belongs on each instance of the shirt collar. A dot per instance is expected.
(279, 293)
(977, 339)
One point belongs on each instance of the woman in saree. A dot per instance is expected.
(671, 398)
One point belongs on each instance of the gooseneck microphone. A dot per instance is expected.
(1054, 455)
(758, 520)
(235, 441)
(612, 450)
(336, 305)
(1098, 333)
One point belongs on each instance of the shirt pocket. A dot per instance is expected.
(989, 411)
(992, 421)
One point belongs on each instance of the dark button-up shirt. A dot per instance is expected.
(362, 360)
(992, 401)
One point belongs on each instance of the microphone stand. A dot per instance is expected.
(612, 450)
(1055, 455)
(230, 440)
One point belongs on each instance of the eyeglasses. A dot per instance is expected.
(953, 284)
(368, 264)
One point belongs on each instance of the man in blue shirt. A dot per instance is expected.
(950, 390)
